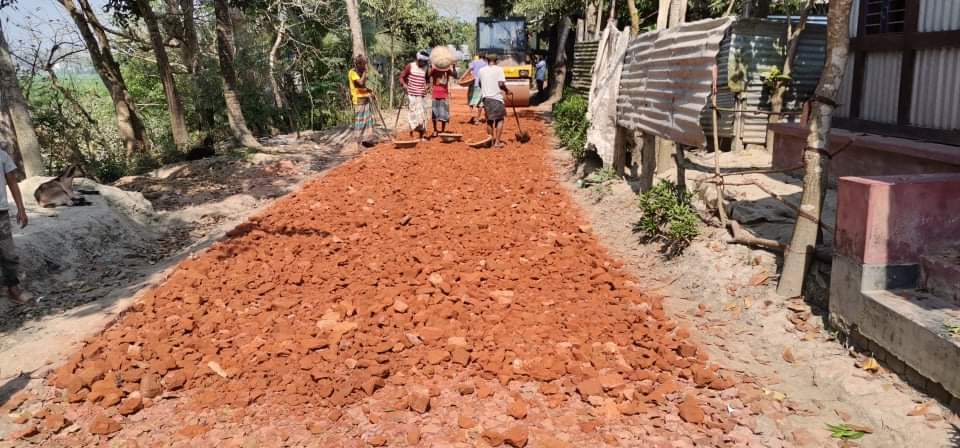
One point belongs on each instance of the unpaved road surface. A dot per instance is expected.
(439, 296)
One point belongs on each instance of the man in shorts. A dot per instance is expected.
(493, 84)
(474, 97)
(360, 94)
(440, 79)
(414, 82)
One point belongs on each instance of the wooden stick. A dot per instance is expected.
(740, 236)
(762, 171)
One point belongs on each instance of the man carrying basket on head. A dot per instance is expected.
(442, 60)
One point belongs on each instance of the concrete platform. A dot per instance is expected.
(941, 274)
(895, 277)
(907, 323)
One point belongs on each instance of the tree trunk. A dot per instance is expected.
(588, 29)
(634, 17)
(669, 155)
(356, 28)
(663, 14)
(393, 68)
(8, 140)
(678, 13)
(798, 255)
(763, 9)
(274, 84)
(780, 90)
(596, 31)
(558, 69)
(19, 113)
(131, 127)
(231, 93)
(191, 43)
(178, 124)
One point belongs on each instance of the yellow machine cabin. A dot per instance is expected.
(507, 38)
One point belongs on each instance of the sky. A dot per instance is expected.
(466, 10)
(48, 18)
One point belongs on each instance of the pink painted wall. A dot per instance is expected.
(896, 219)
(867, 155)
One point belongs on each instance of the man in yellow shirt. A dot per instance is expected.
(360, 94)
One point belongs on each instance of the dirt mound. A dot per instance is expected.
(59, 240)
(395, 276)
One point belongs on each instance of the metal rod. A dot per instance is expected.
(758, 111)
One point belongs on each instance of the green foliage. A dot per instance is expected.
(311, 68)
(952, 329)
(602, 175)
(844, 432)
(774, 78)
(599, 182)
(570, 123)
(667, 217)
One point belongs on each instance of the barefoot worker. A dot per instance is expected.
(474, 97)
(360, 94)
(493, 84)
(442, 60)
(9, 262)
(413, 78)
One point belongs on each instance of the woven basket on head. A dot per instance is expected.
(442, 58)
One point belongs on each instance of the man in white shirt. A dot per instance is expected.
(9, 262)
(493, 84)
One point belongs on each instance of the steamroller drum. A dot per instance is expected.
(521, 94)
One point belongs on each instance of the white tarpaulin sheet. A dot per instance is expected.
(604, 89)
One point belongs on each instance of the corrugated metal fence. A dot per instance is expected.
(667, 78)
(584, 53)
(939, 15)
(751, 49)
(935, 80)
(936, 89)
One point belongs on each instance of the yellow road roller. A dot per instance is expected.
(507, 38)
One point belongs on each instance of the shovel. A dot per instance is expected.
(521, 135)
(376, 105)
(401, 143)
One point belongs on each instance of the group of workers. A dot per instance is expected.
(487, 95)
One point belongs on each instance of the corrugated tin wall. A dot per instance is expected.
(936, 89)
(939, 15)
(881, 86)
(584, 53)
(757, 46)
(667, 78)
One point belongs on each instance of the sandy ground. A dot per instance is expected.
(727, 293)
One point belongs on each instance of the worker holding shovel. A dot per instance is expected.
(493, 84)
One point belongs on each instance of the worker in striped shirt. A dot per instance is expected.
(414, 82)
